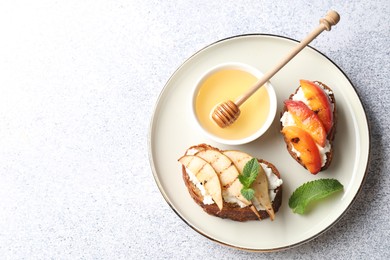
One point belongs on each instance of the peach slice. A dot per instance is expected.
(318, 102)
(306, 119)
(305, 145)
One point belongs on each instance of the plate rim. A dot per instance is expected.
(165, 196)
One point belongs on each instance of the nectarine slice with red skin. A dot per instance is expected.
(305, 145)
(319, 102)
(306, 119)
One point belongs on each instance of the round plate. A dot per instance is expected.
(172, 131)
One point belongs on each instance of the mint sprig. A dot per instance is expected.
(247, 177)
(312, 191)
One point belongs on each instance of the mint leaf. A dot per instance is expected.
(248, 193)
(244, 180)
(251, 169)
(312, 191)
(248, 176)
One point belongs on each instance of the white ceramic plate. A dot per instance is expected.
(172, 131)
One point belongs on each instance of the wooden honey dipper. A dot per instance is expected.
(227, 112)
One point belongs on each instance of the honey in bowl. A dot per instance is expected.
(228, 82)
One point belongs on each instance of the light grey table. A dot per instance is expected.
(78, 83)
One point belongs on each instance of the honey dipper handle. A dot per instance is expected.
(331, 18)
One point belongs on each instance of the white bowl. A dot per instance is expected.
(269, 119)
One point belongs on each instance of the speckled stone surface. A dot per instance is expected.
(78, 84)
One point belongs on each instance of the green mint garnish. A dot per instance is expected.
(248, 193)
(247, 177)
(312, 191)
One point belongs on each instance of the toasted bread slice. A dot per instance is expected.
(331, 134)
(230, 210)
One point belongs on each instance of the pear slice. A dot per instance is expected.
(222, 165)
(235, 190)
(260, 185)
(205, 174)
(238, 158)
(228, 175)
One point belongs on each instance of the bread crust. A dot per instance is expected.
(232, 210)
(331, 135)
